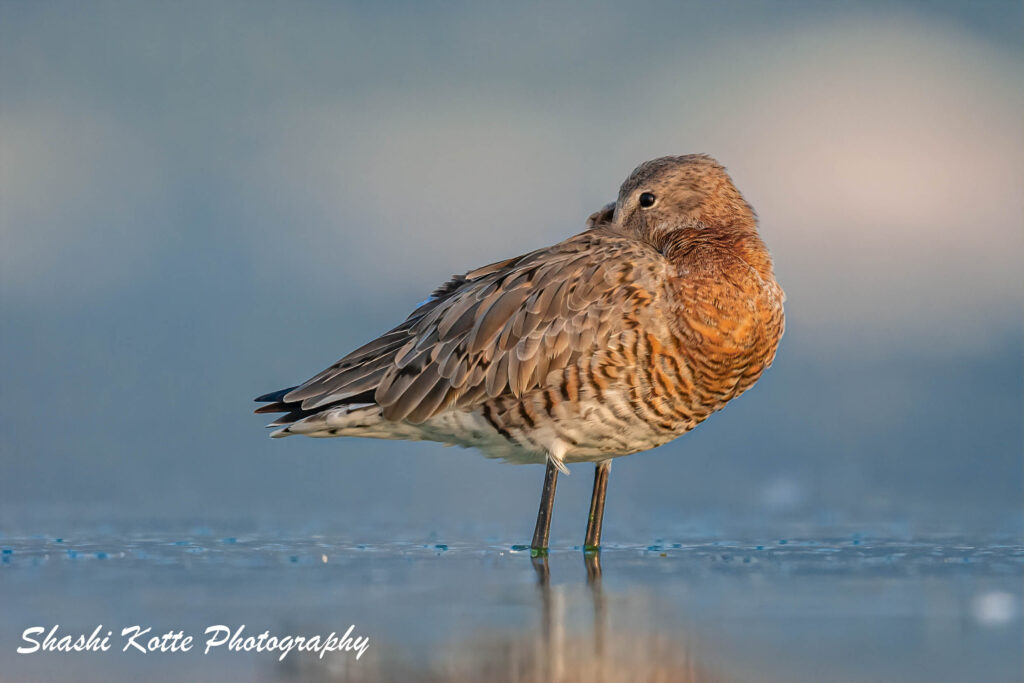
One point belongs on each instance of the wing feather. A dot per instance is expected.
(498, 329)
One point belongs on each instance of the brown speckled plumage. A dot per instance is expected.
(614, 341)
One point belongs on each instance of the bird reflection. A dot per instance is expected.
(570, 640)
(553, 617)
(593, 564)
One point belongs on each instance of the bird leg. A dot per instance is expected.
(592, 542)
(539, 546)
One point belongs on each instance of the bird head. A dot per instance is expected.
(672, 199)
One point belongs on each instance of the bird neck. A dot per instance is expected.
(739, 239)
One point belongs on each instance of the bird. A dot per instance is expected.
(614, 341)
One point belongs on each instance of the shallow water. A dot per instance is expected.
(848, 609)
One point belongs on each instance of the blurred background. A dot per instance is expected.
(201, 202)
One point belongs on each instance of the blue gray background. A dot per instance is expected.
(201, 202)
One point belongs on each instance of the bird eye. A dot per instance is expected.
(647, 200)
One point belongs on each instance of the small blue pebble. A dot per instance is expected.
(783, 542)
(294, 558)
(441, 546)
(229, 539)
(101, 556)
(58, 540)
(8, 551)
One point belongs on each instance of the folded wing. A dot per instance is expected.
(495, 330)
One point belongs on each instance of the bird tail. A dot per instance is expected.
(320, 421)
(349, 420)
(354, 416)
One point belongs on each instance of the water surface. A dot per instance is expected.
(840, 609)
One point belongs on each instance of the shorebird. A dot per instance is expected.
(614, 341)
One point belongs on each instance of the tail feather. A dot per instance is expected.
(273, 396)
(350, 420)
(308, 421)
(278, 407)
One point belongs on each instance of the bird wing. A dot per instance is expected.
(602, 217)
(498, 329)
